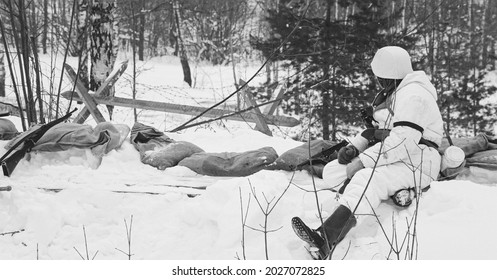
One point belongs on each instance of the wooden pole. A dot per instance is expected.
(181, 109)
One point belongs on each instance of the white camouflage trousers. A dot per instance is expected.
(385, 181)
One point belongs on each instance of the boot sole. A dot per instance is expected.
(310, 237)
(306, 234)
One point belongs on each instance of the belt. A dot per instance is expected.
(418, 128)
(428, 143)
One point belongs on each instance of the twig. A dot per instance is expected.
(11, 233)
(410, 245)
(128, 237)
(86, 248)
(66, 52)
(363, 194)
(244, 220)
(327, 243)
(331, 189)
(225, 116)
(267, 211)
(347, 252)
(78, 253)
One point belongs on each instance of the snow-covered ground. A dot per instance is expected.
(456, 219)
(209, 226)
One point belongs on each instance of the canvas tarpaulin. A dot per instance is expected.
(157, 149)
(230, 163)
(481, 159)
(101, 139)
(7, 129)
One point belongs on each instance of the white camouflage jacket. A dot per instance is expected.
(412, 113)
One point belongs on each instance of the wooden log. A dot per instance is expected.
(257, 117)
(102, 90)
(182, 109)
(82, 92)
(279, 92)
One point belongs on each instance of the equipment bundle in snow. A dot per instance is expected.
(64, 136)
(321, 152)
(230, 164)
(7, 129)
(480, 159)
(158, 150)
(28, 140)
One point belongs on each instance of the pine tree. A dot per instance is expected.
(329, 51)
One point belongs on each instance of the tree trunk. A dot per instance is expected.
(133, 46)
(63, 19)
(37, 71)
(82, 41)
(33, 26)
(25, 53)
(2, 68)
(14, 84)
(187, 77)
(325, 111)
(44, 35)
(449, 75)
(484, 40)
(141, 42)
(102, 44)
(155, 36)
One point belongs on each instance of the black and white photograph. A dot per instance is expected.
(251, 139)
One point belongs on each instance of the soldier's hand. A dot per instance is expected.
(346, 154)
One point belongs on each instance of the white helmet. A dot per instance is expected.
(391, 62)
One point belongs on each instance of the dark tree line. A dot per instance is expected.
(329, 49)
(453, 41)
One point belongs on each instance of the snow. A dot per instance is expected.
(209, 226)
(456, 219)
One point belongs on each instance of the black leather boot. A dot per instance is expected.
(335, 228)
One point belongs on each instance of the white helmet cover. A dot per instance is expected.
(391, 62)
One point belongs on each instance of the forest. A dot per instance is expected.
(319, 49)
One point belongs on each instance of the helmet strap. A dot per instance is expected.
(388, 87)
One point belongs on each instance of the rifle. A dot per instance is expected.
(367, 117)
(324, 156)
(12, 157)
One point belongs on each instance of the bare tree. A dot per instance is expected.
(82, 40)
(44, 35)
(2, 69)
(187, 76)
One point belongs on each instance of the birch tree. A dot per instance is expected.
(103, 47)
(82, 40)
(2, 68)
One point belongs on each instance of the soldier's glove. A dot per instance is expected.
(346, 154)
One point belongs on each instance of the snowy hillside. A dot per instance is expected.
(456, 218)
